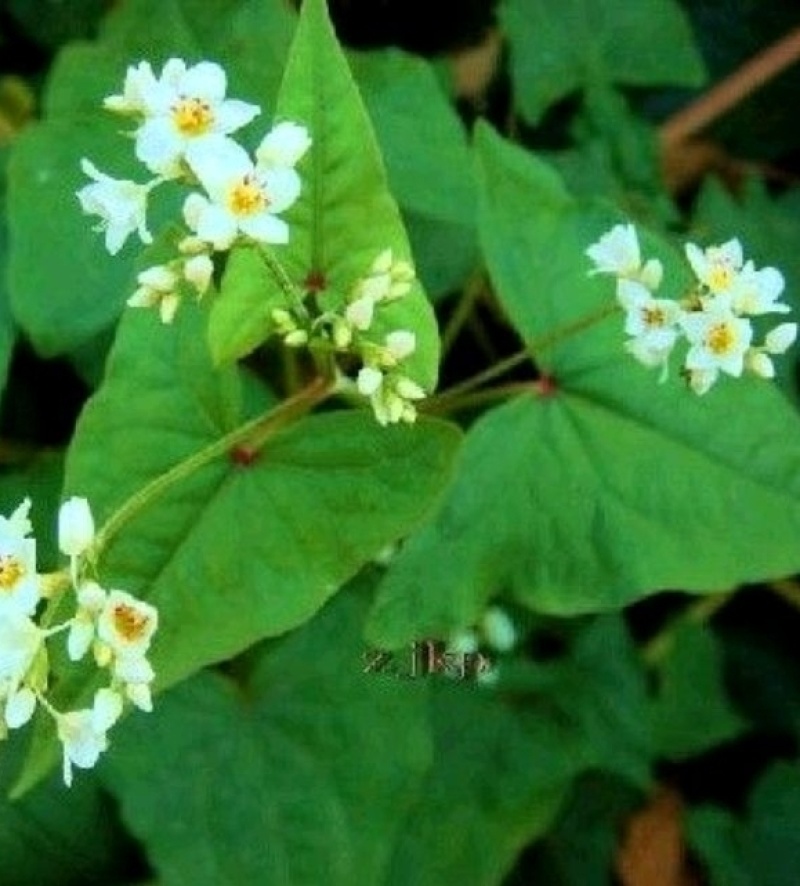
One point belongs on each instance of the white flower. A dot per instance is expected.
(157, 286)
(651, 323)
(20, 641)
(91, 602)
(757, 292)
(781, 338)
(75, 527)
(284, 146)
(183, 108)
(717, 267)
(399, 344)
(135, 673)
(83, 732)
(718, 339)
(140, 87)
(120, 204)
(19, 708)
(198, 271)
(701, 380)
(391, 396)
(242, 198)
(359, 313)
(19, 582)
(126, 625)
(777, 341)
(498, 629)
(388, 279)
(617, 252)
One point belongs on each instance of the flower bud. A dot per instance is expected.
(75, 527)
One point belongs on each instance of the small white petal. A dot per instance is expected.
(401, 343)
(75, 526)
(198, 270)
(369, 380)
(19, 708)
(360, 312)
(781, 338)
(760, 364)
(285, 145)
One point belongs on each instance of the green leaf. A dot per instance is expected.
(7, 330)
(55, 837)
(241, 315)
(235, 553)
(606, 488)
(499, 777)
(302, 775)
(64, 301)
(556, 50)
(345, 216)
(506, 756)
(715, 835)
(693, 713)
(423, 141)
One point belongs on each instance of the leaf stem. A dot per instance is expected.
(284, 281)
(442, 401)
(699, 612)
(472, 292)
(250, 437)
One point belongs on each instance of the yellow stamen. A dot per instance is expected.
(193, 116)
(653, 316)
(128, 623)
(11, 571)
(247, 197)
(720, 339)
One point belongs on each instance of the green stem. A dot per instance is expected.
(699, 612)
(472, 292)
(531, 352)
(284, 281)
(250, 437)
(478, 398)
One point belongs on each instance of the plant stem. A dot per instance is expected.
(699, 612)
(284, 281)
(251, 436)
(537, 346)
(472, 292)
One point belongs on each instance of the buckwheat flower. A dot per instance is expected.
(186, 106)
(198, 271)
(716, 267)
(757, 292)
(120, 204)
(390, 396)
(126, 625)
(138, 92)
(20, 640)
(83, 627)
(651, 323)
(781, 338)
(388, 279)
(777, 341)
(701, 380)
(134, 674)
(75, 527)
(83, 732)
(283, 146)
(19, 707)
(240, 197)
(19, 582)
(157, 287)
(399, 344)
(719, 339)
(617, 252)
(359, 313)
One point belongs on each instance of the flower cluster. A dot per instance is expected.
(184, 124)
(714, 318)
(115, 625)
(183, 135)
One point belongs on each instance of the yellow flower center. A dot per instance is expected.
(720, 276)
(11, 571)
(720, 339)
(193, 116)
(247, 197)
(129, 623)
(653, 316)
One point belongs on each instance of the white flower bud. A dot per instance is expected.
(401, 344)
(781, 338)
(198, 270)
(75, 527)
(369, 380)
